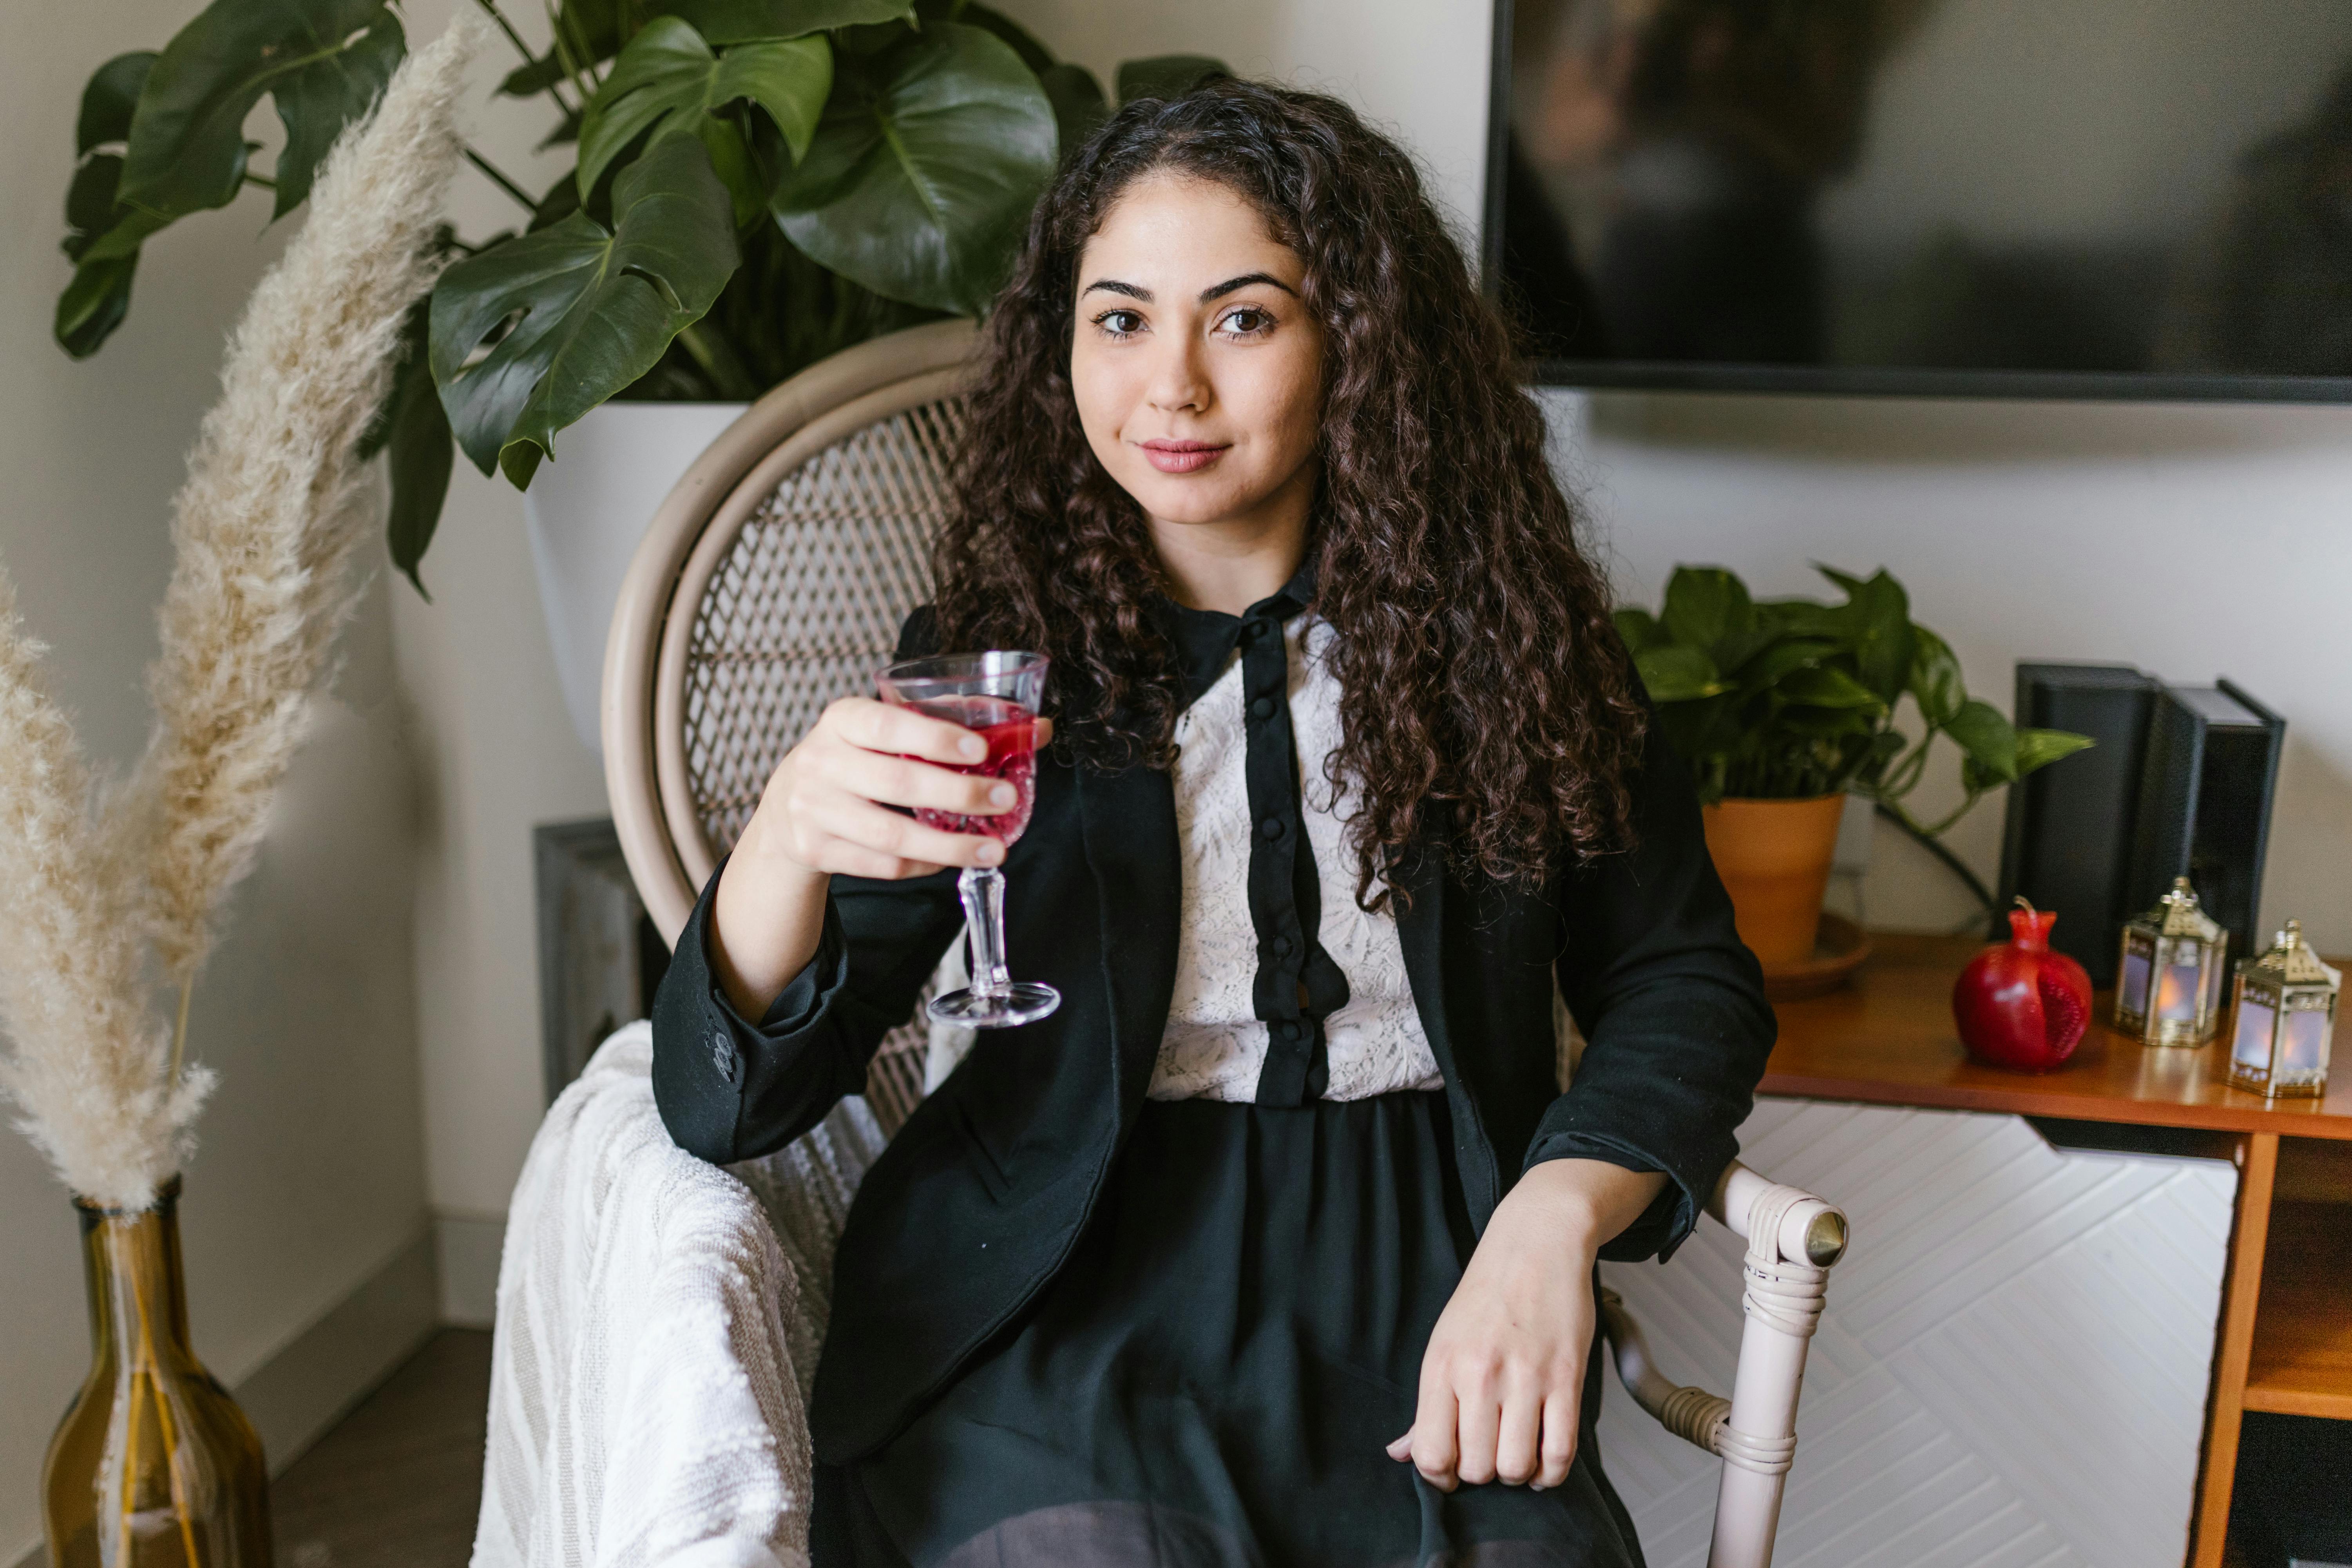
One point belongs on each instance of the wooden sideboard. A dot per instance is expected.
(2285, 1341)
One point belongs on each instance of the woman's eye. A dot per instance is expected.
(1120, 323)
(1245, 319)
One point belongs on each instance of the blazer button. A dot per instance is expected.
(1282, 947)
(724, 1057)
(1271, 827)
(1261, 709)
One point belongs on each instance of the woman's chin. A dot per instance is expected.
(1190, 499)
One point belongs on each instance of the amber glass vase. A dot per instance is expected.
(155, 1466)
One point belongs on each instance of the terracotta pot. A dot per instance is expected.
(1774, 858)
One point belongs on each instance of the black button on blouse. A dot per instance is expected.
(1298, 984)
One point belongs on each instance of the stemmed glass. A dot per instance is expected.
(995, 695)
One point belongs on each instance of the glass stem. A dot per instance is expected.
(982, 888)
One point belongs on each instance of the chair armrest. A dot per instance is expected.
(1793, 1239)
(1802, 1227)
(1689, 1412)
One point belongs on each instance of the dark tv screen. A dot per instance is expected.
(2134, 198)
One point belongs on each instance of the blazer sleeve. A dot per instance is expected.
(731, 1089)
(1671, 1005)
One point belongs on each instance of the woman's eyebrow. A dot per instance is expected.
(1243, 281)
(1112, 285)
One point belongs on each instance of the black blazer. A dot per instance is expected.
(970, 1211)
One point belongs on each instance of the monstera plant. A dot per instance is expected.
(757, 183)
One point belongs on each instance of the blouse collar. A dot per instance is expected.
(1205, 640)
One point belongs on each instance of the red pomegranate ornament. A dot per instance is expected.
(2018, 1005)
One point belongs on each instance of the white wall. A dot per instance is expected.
(2006, 518)
(310, 1174)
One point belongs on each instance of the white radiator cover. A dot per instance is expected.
(2012, 1367)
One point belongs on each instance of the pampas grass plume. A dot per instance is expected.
(275, 503)
(263, 531)
(88, 1071)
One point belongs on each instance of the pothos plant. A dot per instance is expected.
(757, 183)
(1792, 698)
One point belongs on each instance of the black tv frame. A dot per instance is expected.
(1689, 375)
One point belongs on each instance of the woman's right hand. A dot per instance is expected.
(826, 810)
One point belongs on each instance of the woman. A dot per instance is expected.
(1274, 1244)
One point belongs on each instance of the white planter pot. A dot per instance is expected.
(586, 511)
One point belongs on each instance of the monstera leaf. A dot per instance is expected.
(323, 61)
(94, 303)
(180, 117)
(924, 169)
(1077, 99)
(414, 429)
(592, 29)
(572, 312)
(744, 21)
(1166, 76)
(668, 82)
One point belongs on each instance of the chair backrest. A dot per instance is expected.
(773, 580)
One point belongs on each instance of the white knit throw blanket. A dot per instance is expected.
(658, 1321)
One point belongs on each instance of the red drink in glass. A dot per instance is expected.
(1010, 731)
(995, 695)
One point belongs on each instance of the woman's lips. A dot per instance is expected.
(1182, 457)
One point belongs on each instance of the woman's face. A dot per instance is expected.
(1197, 368)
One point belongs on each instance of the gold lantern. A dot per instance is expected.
(2286, 1017)
(2169, 985)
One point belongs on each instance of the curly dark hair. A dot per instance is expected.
(1481, 677)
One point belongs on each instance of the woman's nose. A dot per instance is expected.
(1179, 380)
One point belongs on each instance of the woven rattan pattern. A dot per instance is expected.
(805, 607)
(808, 602)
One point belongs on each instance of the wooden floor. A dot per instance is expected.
(398, 1483)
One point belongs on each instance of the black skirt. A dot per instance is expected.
(1212, 1378)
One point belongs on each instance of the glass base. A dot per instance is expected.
(1025, 1001)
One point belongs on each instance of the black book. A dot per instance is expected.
(2068, 839)
(2205, 804)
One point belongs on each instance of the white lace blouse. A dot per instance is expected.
(1214, 1044)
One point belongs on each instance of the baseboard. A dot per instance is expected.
(315, 1378)
(466, 1248)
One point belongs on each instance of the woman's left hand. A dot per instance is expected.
(1503, 1378)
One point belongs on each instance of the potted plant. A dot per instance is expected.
(757, 185)
(1783, 707)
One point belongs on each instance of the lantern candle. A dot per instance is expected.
(2287, 1019)
(2177, 997)
(2252, 1049)
(2302, 1046)
(2169, 993)
(2131, 990)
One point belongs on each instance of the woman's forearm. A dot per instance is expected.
(1587, 1202)
(765, 925)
